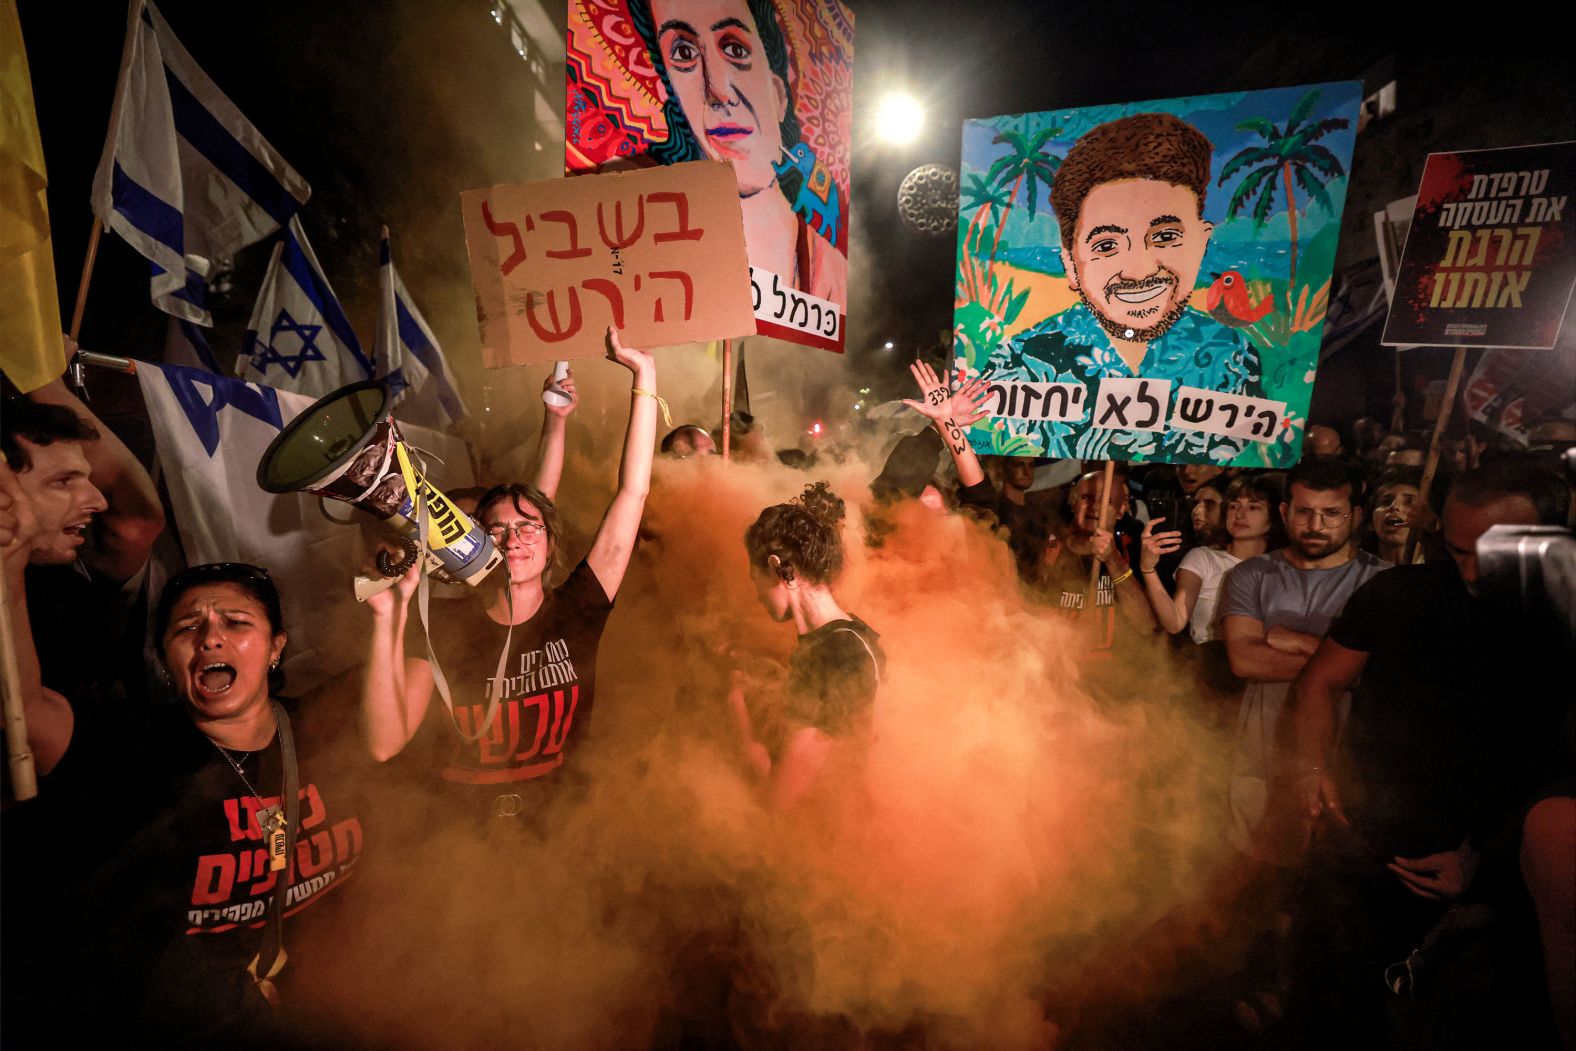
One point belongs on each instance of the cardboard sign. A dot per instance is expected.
(765, 85)
(1149, 281)
(658, 253)
(1490, 259)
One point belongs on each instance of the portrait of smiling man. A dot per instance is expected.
(1129, 206)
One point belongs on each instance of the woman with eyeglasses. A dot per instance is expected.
(169, 844)
(519, 662)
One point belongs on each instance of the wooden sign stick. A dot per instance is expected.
(727, 400)
(1105, 502)
(1446, 410)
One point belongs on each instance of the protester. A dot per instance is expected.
(1250, 520)
(1454, 723)
(686, 440)
(1275, 609)
(1322, 440)
(1392, 508)
(98, 517)
(1119, 616)
(796, 552)
(525, 649)
(158, 928)
(1028, 527)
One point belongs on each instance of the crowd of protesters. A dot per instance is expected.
(1400, 805)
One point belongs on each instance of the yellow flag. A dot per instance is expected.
(32, 352)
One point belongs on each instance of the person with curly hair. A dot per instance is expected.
(796, 554)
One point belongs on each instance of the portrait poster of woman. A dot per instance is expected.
(766, 85)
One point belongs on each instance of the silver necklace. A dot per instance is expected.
(270, 819)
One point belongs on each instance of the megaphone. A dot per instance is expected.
(347, 446)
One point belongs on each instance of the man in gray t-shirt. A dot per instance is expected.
(1275, 609)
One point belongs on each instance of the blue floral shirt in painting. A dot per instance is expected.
(1071, 347)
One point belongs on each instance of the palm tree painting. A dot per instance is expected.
(1028, 163)
(1291, 157)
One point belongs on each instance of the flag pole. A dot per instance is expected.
(19, 758)
(1447, 409)
(727, 400)
(87, 276)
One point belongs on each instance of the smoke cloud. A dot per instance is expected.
(990, 866)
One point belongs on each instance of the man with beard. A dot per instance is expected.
(1276, 609)
(98, 516)
(1129, 202)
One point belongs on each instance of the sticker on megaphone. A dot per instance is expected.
(346, 446)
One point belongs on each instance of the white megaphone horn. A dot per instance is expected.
(347, 446)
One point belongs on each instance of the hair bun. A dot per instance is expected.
(826, 506)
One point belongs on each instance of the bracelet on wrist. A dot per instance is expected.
(1147, 572)
(1119, 579)
(662, 402)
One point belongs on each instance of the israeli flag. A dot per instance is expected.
(408, 356)
(299, 338)
(184, 178)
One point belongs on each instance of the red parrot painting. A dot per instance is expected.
(1228, 301)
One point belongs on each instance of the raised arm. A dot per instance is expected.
(550, 450)
(615, 537)
(1126, 591)
(49, 718)
(123, 535)
(951, 413)
(1172, 611)
(395, 690)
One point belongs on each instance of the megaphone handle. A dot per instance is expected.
(366, 587)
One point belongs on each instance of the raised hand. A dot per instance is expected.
(567, 386)
(637, 361)
(1156, 544)
(392, 600)
(964, 408)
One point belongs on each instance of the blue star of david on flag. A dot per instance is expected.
(305, 334)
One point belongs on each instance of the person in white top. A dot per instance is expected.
(1246, 529)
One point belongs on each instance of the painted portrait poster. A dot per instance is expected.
(1148, 281)
(1490, 258)
(764, 84)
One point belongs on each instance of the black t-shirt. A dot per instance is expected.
(149, 879)
(1028, 524)
(549, 683)
(78, 619)
(833, 676)
(1455, 717)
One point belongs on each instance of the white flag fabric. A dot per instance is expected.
(408, 356)
(184, 178)
(299, 338)
(210, 432)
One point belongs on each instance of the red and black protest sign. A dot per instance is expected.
(1490, 260)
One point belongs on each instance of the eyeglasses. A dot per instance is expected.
(527, 531)
(1326, 516)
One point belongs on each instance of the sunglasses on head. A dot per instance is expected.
(221, 572)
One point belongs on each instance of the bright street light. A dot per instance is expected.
(899, 118)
